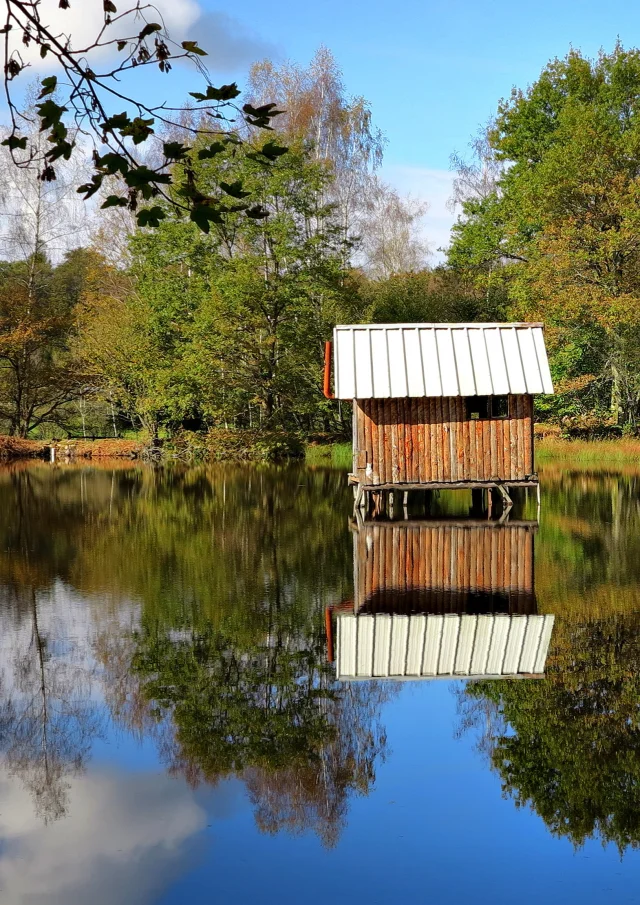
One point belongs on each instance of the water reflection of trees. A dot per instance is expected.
(269, 713)
(230, 571)
(569, 746)
(48, 719)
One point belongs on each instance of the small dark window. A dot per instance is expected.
(499, 406)
(477, 407)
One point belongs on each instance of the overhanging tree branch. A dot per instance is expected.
(80, 93)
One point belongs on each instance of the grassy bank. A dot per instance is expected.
(240, 446)
(548, 449)
(589, 451)
(336, 454)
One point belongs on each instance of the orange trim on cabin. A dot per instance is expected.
(327, 370)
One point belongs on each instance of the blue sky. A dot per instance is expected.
(432, 71)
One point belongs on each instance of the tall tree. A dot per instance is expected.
(391, 241)
(339, 128)
(560, 231)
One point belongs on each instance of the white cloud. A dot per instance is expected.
(122, 841)
(228, 42)
(434, 187)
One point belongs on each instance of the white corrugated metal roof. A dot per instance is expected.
(379, 361)
(427, 646)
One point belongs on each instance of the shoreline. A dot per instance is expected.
(338, 454)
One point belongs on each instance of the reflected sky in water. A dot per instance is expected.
(171, 728)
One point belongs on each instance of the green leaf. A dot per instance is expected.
(117, 121)
(44, 50)
(257, 212)
(138, 129)
(14, 142)
(110, 7)
(175, 150)
(90, 188)
(113, 163)
(62, 149)
(203, 214)
(141, 176)
(49, 85)
(150, 216)
(192, 47)
(223, 93)
(121, 45)
(216, 148)
(272, 151)
(115, 201)
(50, 113)
(149, 29)
(259, 112)
(234, 189)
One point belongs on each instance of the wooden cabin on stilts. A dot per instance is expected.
(440, 406)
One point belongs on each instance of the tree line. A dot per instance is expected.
(220, 322)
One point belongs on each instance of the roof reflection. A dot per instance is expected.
(441, 598)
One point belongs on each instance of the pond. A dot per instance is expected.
(215, 686)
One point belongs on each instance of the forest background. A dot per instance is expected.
(175, 335)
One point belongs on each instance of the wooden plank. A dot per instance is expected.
(359, 416)
(469, 449)
(504, 454)
(383, 443)
(460, 416)
(384, 440)
(420, 453)
(395, 465)
(433, 440)
(528, 436)
(440, 440)
(520, 428)
(493, 441)
(445, 432)
(402, 453)
(427, 473)
(513, 438)
(477, 426)
(367, 406)
(413, 471)
(486, 448)
(408, 439)
(453, 452)
(375, 458)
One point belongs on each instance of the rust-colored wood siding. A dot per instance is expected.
(443, 568)
(419, 440)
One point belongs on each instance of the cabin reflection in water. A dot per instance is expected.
(442, 599)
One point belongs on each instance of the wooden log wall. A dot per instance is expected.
(440, 568)
(419, 440)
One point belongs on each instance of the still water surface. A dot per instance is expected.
(172, 729)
